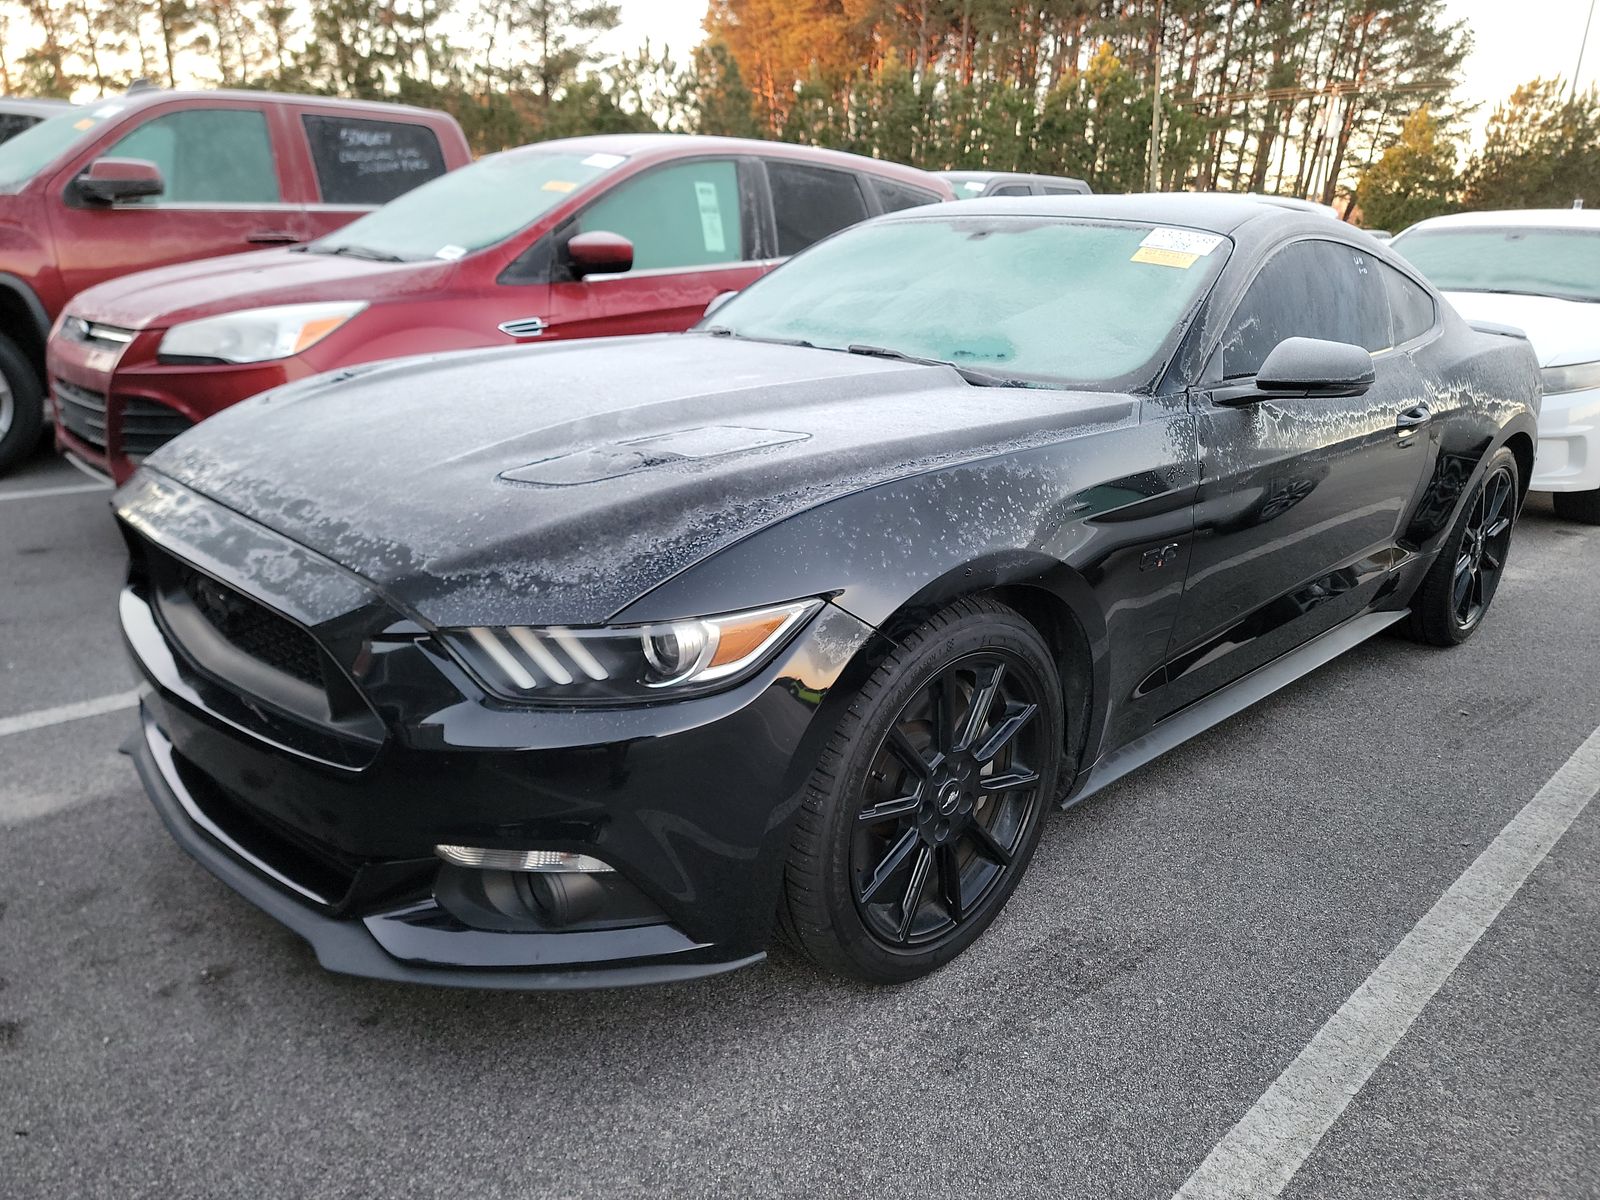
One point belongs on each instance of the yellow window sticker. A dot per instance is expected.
(86, 123)
(1165, 258)
(559, 185)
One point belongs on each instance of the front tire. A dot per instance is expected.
(925, 806)
(1582, 507)
(21, 406)
(1455, 594)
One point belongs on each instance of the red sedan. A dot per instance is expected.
(581, 237)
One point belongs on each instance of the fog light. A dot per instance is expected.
(521, 860)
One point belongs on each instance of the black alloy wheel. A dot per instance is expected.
(1455, 594)
(927, 802)
(1481, 556)
(953, 789)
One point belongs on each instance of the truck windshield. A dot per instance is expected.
(1524, 260)
(24, 156)
(466, 210)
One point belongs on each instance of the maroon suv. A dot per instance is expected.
(158, 177)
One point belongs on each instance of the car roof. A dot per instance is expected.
(674, 145)
(1216, 213)
(1545, 218)
(140, 97)
(990, 176)
(29, 104)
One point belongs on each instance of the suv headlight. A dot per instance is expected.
(256, 334)
(560, 665)
(1575, 378)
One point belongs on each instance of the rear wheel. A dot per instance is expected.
(1583, 507)
(21, 405)
(926, 805)
(1456, 592)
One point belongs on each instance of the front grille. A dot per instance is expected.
(146, 424)
(255, 629)
(83, 413)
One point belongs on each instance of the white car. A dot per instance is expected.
(1537, 270)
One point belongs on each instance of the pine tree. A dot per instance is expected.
(1415, 178)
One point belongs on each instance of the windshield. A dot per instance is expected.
(22, 157)
(466, 210)
(1564, 263)
(1044, 301)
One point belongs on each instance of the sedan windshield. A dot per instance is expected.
(1021, 299)
(22, 157)
(1526, 261)
(466, 210)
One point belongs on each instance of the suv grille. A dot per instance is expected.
(146, 424)
(258, 631)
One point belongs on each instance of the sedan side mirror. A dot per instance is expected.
(111, 180)
(1311, 367)
(599, 253)
(717, 302)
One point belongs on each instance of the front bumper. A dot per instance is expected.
(329, 825)
(113, 404)
(1568, 458)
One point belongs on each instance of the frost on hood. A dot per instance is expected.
(396, 473)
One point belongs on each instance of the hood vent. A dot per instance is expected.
(612, 459)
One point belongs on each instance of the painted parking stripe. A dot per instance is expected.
(1260, 1155)
(66, 489)
(44, 717)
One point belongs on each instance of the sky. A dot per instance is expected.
(1515, 40)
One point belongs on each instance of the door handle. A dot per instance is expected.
(1413, 418)
(271, 237)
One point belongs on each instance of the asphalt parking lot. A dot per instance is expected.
(1179, 940)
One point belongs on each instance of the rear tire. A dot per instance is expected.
(926, 804)
(1582, 507)
(21, 406)
(1455, 594)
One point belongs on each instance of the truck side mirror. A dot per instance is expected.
(111, 180)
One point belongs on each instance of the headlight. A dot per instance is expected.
(257, 334)
(1575, 378)
(560, 665)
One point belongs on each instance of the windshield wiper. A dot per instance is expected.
(367, 252)
(970, 374)
(724, 331)
(1523, 292)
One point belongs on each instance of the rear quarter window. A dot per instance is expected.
(1410, 307)
(894, 196)
(361, 161)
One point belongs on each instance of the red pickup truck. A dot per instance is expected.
(158, 177)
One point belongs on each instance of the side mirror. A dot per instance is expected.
(1311, 367)
(599, 253)
(717, 302)
(110, 180)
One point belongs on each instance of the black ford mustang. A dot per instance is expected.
(602, 663)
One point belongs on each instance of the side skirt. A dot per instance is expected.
(1232, 699)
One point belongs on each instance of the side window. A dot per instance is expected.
(370, 162)
(895, 196)
(1012, 189)
(685, 215)
(207, 156)
(1063, 189)
(1307, 289)
(12, 124)
(1410, 307)
(812, 202)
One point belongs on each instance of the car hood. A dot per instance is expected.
(1561, 331)
(206, 287)
(556, 484)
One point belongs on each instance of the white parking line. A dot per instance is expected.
(66, 489)
(63, 713)
(1260, 1155)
